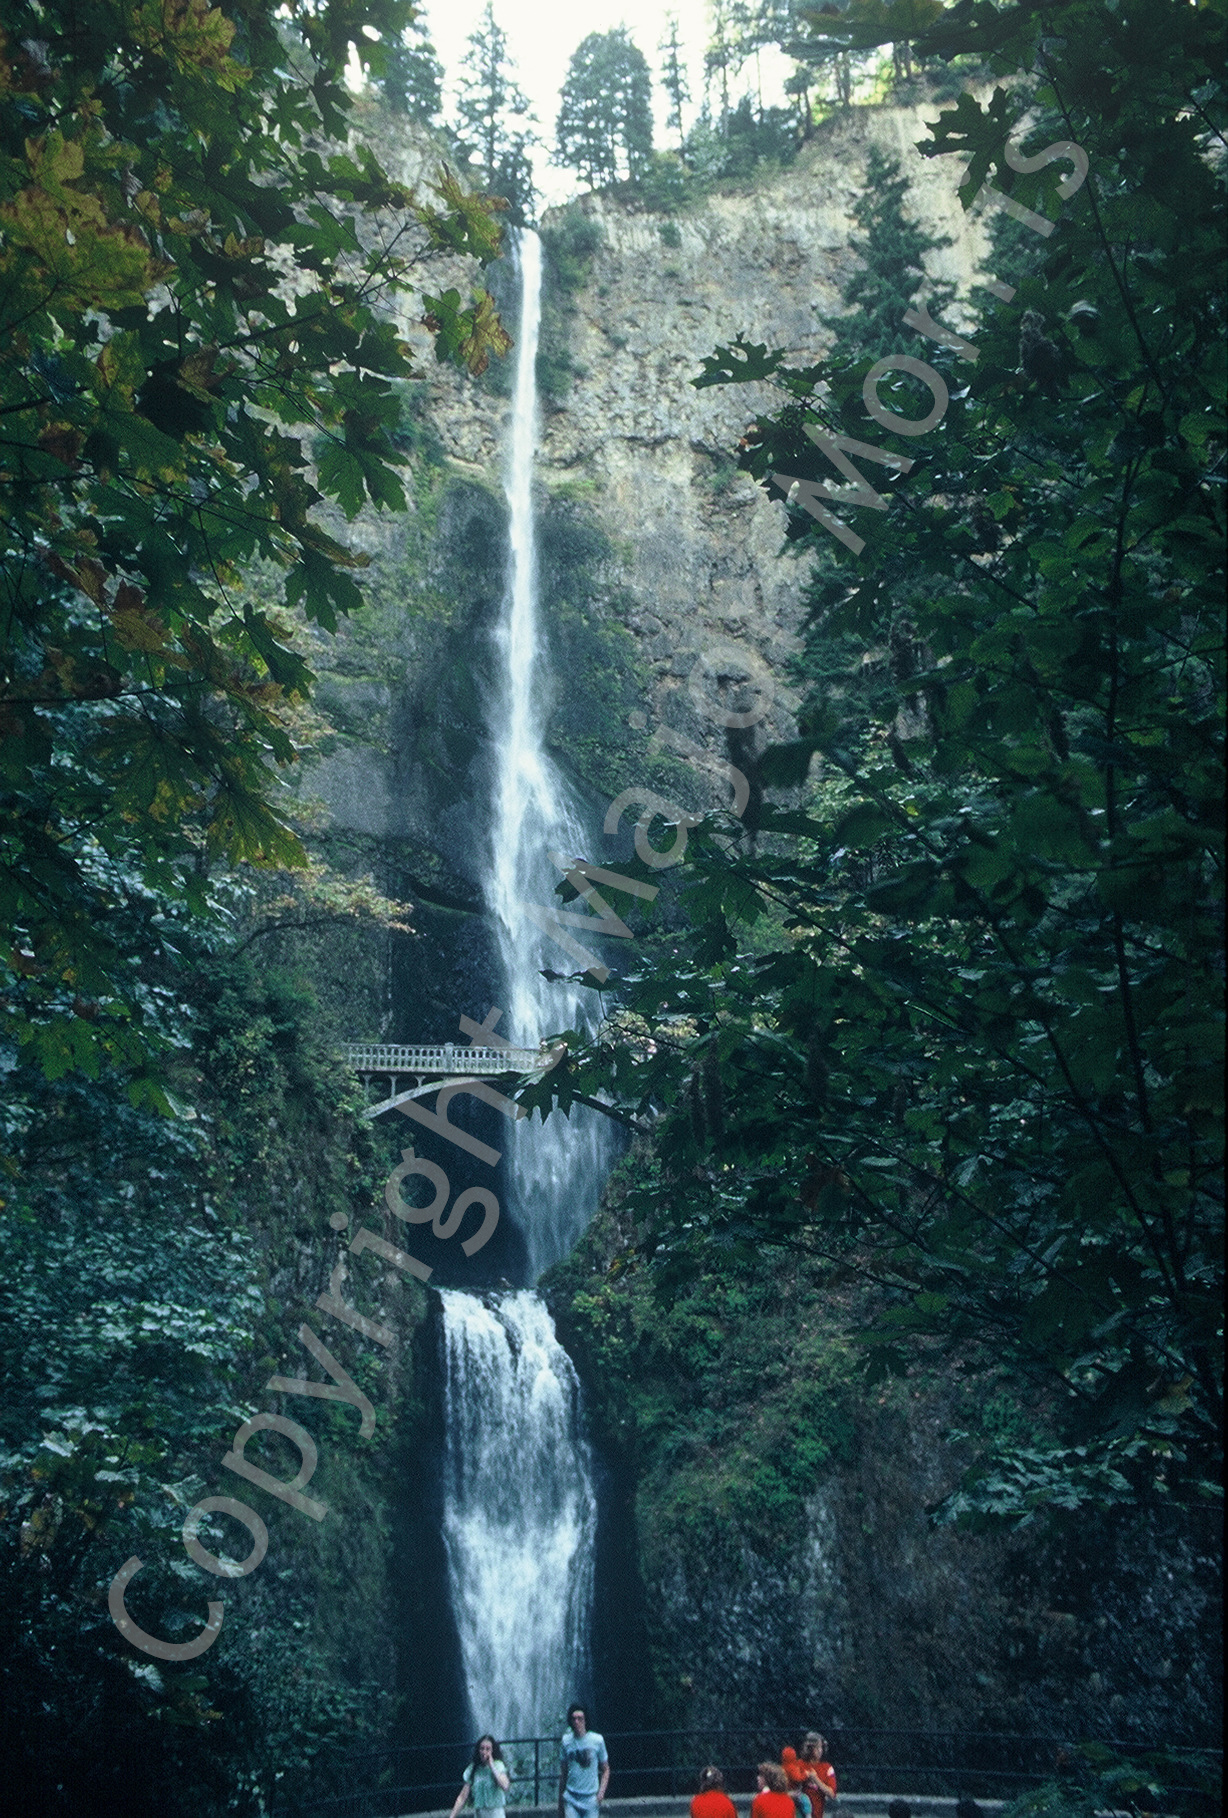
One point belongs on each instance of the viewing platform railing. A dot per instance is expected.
(425, 1777)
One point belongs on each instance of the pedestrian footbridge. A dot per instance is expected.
(427, 1066)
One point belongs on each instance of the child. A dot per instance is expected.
(712, 1801)
(772, 1800)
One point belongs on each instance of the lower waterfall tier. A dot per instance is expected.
(520, 1512)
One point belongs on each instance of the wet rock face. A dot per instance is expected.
(1095, 1627)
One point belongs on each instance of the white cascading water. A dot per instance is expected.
(555, 1168)
(520, 1512)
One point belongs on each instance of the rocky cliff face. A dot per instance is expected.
(657, 553)
(693, 544)
(657, 550)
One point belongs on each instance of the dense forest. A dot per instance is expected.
(898, 1326)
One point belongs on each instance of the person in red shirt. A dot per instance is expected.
(712, 1801)
(795, 1771)
(818, 1775)
(772, 1800)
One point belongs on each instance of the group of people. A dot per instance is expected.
(799, 1785)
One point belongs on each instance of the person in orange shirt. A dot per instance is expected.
(818, 1775)
(712, 1801)
(772, 1800)
(795, 1772)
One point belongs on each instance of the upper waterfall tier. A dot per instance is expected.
(555, 1170)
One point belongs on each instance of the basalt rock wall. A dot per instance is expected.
(655, 550)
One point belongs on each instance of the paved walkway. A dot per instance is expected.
(849, 1805)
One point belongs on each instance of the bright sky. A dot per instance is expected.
(542, 34)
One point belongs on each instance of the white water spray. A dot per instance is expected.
(520, 1514)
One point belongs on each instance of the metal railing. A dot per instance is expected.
(421, 1777)
(439, 1057)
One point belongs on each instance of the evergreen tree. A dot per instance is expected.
(984, 1065)
(673, 77)
(748, 26)
(412, 83)
(605, 117)
(811, 39)
(892, 271)
(493, 115)
(720, 56)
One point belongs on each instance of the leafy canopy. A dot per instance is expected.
(954, 1021)
(199, 365)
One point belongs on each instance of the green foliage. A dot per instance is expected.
(412, 82)
(153, 1276)
(178, 413)
(738, 363)
(665, 186)
(892, 270)
(569, 244)
(1095, 1778)
(605, 114)
(673, 75)
(954, 1024)
(726, 1402)
(733, 151)
(492, 111)
(755, 138)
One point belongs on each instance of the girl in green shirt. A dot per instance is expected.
(486, 1778)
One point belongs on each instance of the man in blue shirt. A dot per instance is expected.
(583, 1754)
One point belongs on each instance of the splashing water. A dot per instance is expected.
(520, 1513)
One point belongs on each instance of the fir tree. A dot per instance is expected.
(492, 112)
(605, 116)
(720, 56)
(891, 274)
(673, 77)
(412, 83)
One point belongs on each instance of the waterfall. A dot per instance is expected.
(519, 1512)
(555, 1169)
(519, 1507)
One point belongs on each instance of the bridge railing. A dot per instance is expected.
(425, 1777)
(439, 1057)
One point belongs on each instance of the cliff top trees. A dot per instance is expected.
(174, 413)
(673, 77)
(493, 115)
(412, 82)
(605, 117)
